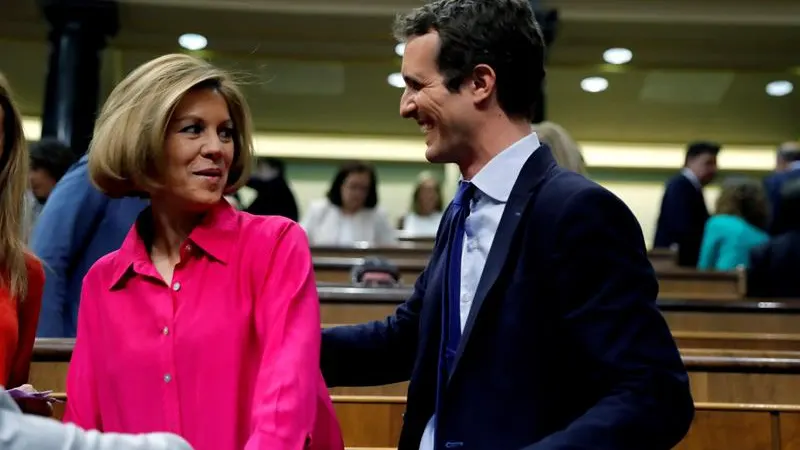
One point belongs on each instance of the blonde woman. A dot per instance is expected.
(565, 150)
(21, 274)
(206, 322)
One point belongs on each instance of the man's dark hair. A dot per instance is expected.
(335, 191)
(789, 153)
(502, 34)
(696, 149)
(52, 156)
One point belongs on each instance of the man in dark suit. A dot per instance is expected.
(773, 266)
(684, 213)
(534, 325)
(787, 168)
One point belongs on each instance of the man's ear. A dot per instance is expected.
(482, 83)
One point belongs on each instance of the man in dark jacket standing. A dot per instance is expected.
(683, 208)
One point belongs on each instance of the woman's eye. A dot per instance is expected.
(226, 134)
(193, 129)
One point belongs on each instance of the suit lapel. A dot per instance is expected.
(532, 174)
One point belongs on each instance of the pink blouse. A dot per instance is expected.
(227, 356)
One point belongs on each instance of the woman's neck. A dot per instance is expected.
(171, 227)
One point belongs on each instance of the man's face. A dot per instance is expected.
(704, 167)
(443, 116)
(42, 183)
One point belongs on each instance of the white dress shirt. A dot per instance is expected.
(326, 224)
(23, 432)
(493, 185)
(415, 225)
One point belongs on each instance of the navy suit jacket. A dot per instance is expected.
(564, 347)
(773, 185)
(682, 219)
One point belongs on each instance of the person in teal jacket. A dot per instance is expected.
(739, 224)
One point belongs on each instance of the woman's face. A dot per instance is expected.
(428, 197)
(199, 151)
(355, 189)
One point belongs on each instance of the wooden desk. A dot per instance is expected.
(673, 282)
(689, 283)
(403, 250)
(329, 269)
(662, 258)
(376, 421)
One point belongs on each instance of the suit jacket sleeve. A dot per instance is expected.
(758, 277)
(20, 431)
(374, 353)
(674, 210)
(59, 235)
(608, 289)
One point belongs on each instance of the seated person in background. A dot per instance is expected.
(375, 272)
(274, 197)
(739, 224)
(350, 213)
(22, 277)
(205, 323)
(427, 208)
(773, 266)
(50, 160)
(27, 432)
(565, 150)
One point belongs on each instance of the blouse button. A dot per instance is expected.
(176, 287)
(165, 331)
(167, 378)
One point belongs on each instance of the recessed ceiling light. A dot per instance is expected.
(193, 41)
(617, 56)
(400, 48)
(594, 84)
(779, 88)
(396, 80)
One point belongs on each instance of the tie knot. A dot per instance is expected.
(464, 193)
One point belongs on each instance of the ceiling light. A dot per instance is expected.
(193, 41)
(594, 84)
(400, 48)
(617, 56)
(780, 88)
(396, 80)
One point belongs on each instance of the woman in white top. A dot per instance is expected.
(350, 213)
(426, 211)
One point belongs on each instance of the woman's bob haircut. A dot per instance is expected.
(126, 156)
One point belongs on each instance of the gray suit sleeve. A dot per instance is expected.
(25, 432)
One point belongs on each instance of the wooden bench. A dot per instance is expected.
(673, 282)
(662, 258)
(403, 250)
(329, 269)
(690, 283)
(376, 421)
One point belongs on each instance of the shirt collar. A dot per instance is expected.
(215, 235)
(687, 172)
(497, 178)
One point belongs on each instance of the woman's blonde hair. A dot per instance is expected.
(565, 150)
(13, 184)
(126, 156)
(745, 198)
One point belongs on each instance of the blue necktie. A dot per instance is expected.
(451, 310)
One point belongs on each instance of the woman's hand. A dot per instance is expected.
(34, 405)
